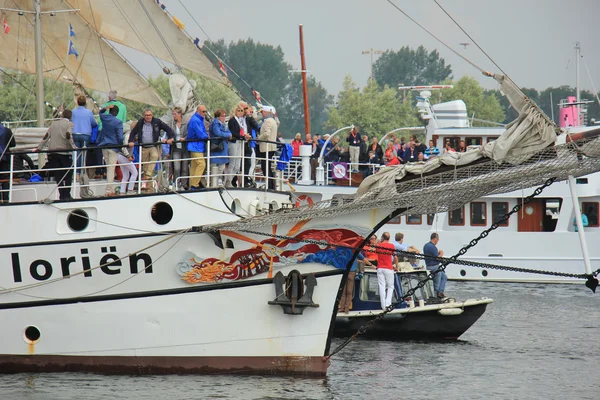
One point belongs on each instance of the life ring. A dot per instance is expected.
(304, 199)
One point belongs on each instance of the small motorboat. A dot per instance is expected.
(419, 317)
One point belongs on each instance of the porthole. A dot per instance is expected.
(162, 213)
(32, 334)
(229, 244)
(484, 273)
(78, 220)
(463, 272)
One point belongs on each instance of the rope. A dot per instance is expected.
(204, 46)
(139, 36)
(162, 38)
(470, 37)
(99, 43)
(194, 19)
(439, 40)
(591, 80)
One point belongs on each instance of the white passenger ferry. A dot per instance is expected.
(542, 236)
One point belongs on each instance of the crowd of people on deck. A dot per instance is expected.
(388, 256)
(109, 146)
(115, 145)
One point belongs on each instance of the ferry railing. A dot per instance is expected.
(366, 167)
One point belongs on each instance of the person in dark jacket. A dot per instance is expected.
(7, 140)
(376, 148)
(411, 154)
(250, 145)
(146, 134)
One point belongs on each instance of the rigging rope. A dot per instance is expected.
(469, 36)
(99, 44)
(486, 73)
(139, 36)
(204, 46)
(160, 34)
(591, 80)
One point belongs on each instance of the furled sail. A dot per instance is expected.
(97, 66)
(144, 26)
(531, 131)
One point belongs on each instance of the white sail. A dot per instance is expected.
(18, 52)
(144, 26)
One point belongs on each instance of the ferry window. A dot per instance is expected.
(478, 213)
(591, 212)
(413, 219)
(498, 211)
(455, 140)
(473, 141)
(430, 218)
(457, 217)
(492, 139)
(395, 220)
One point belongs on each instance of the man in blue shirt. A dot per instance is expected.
(83, 122)
(431, 151)
(439, 280)
(197, 146)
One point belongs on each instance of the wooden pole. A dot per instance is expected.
(304, 86)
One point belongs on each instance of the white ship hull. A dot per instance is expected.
(121, 297)
(210, 329)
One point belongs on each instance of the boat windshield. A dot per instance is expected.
(369, 289)
(411, 280)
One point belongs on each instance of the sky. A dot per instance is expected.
(531, 40)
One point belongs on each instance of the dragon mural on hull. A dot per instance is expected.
(272, 253)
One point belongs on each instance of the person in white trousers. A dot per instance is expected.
(386, 259)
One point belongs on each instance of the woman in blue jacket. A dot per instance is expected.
(218, 157)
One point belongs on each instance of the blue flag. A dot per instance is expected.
(72, 49)
(71, 31)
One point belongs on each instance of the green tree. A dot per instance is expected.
(375, 110)
(17, 98)
(261, 66)
(479, 104)
(411, 67)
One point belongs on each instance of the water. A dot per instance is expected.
(533, 342)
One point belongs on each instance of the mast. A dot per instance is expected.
(304, 86)
(578, 94)
(39, 73)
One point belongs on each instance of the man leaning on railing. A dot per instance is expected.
(146, 133)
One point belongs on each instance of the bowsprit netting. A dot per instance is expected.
(448, 188)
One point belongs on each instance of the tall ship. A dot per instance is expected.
(216, 280)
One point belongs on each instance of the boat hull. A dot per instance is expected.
(213, 330)
(399, 325)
